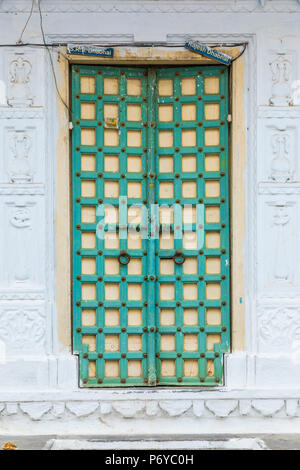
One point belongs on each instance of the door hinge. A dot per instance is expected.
(71, 126)
(229, 118)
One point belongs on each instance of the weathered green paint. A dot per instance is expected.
(150, 254)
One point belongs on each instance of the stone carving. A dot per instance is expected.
(20, 92)
(268, 407)
(20, 219)
(278, 328)
(88, 409)
(22, 330)
(281, 170)
(20, 171)
(280, 220)
(281, 77)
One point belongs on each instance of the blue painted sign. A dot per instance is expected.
(90, 50)
(208, 52)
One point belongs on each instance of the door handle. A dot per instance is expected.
(124, 257)
(179, 257)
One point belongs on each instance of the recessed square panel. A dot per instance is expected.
(134, 138)
(167, 292)
(111, 240)
(212, 137)
(212, 189)
(134, 87)
(134, 241)
(165, 113)
(111, 214)
(88, 136)
(111, 343)
(190, 343)
(190, 291)
(88, 291)
(134, 112)
(111, 368)
(167, 317)
(88, 188)
(134, 190)
(165, 87)
(134, 163)
(167, 343)
(211, 340)
(189, 214)
(189, 267)
(87, 85)
(188, 138)
(211, 85)
(167, 368)
(135, 368)
(111, 110)
(213, 266)
(134, 292)
(134, 215)
(111, 86)
(166, 214)
(166, 267)
(111, 317)
(88, 316)
(90, 341)
(189, 189)
(188, 86)
(88, 162)
(88, 240)
(135, 317)
(210, 368)
(212, 240)
(88, 266)
(165, 138)
(88, 111)
(111, 266)
(111, 137)
(92, 369)
(188, 112)
(212, 214)
(166, 164)
(189, 240)
(212, 162)
(88, 215)
(189, 163)
(166, 190)
(212, 111)
(112, 291)
(134, 267)
(135, 343)
(213, 316)
(190, 368)
(213, 291)
(111, 163)
(190, 316)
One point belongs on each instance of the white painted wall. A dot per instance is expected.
(37, 379)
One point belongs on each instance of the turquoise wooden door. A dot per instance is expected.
(150, 225)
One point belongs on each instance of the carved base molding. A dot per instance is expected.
(150, 418)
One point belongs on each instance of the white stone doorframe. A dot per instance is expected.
(42, 384)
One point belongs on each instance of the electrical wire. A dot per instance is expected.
(51, 62)
(19, 42)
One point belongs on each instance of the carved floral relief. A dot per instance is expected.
(19, 77)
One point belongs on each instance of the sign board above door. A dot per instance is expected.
(90, 50)
(203, 49)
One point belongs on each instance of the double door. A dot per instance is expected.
(150, 225)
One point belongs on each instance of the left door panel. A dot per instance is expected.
(110, 170)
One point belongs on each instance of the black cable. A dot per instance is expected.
(23, 30)
(51, 62)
